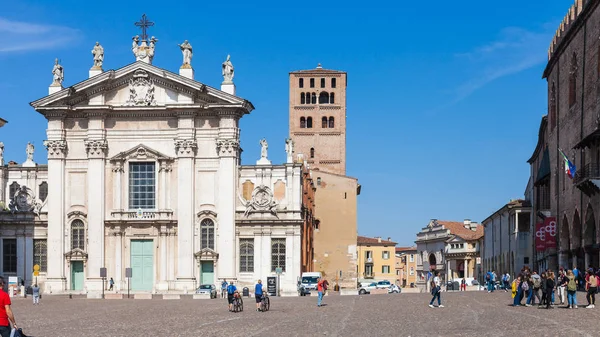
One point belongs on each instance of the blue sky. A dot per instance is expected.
(444, 99)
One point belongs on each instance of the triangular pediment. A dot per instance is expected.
(140, 85)
(140, 152)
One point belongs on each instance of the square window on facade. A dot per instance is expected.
(385, 269)
(385, 254)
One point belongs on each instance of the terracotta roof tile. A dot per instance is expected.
(458, 229)
(363, 240)
(405, 249)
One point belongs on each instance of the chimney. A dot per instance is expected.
(474, 226)
(467, 223)
(379, 239)
(389, 238)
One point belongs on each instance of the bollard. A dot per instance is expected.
(70, 296)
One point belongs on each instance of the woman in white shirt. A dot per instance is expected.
(436, 287)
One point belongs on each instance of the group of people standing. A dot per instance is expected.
(529, 285)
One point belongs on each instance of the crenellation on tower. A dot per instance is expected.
(570, 18)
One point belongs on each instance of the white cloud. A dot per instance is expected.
(23, 36)
(515, 50)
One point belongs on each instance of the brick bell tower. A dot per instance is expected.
(318, 118)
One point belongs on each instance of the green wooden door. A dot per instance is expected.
(142, 265)
(76, 275)
(207, 272)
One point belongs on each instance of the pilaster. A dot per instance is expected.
(226, 196)
(186, 150)
(96, 148)
(57, 150)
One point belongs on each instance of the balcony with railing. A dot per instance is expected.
(142, 215)
(587, 179)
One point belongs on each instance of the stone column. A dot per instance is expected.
(466, 268)
(118, 178)
(587, 260)
(96, 150)
(163, 285)
(22, 253)
(118, 258)
(57, 148)
(163, 186)
(228, 156)
(185, 149)
(28, 256)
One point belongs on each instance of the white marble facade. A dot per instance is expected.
(144, 172)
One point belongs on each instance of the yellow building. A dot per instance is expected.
(406, 266)
(376, 259)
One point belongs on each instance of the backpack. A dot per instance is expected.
(572, 285)
(487, 277)
(230, 289)
(537, 282)
(593, 281)
(525, 286)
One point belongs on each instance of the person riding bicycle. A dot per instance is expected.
(258, 294)
(231, 290)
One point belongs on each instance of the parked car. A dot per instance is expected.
(394, 289)
(207, 289)
(367, 288)
(383, 284)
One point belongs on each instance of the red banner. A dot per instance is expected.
(540, 237)
(550, 230)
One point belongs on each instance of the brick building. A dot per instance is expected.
(573, 125)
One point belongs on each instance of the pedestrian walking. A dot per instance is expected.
(436, 289)
(536, 282)
(550, 284)
(111, 284)
(36, 294)
(463, 285)
(224, 289)
(561, 284)
(6, 313)
(320, 290)
(258, 293)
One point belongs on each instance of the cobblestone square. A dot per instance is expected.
(465, 314)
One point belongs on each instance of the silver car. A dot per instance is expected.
(207, 289)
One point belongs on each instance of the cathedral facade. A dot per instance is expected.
(144, 172)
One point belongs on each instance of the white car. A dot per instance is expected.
(384, 284)
(366, 288)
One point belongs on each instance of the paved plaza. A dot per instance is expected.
(465, 314)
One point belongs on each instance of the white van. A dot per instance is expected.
(308, 282)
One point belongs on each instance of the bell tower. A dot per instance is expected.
(318, 117)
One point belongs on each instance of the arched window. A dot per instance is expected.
(314, 98)
(77, 235)
(312, 82)
(322, 83)
(312, 152)
(333, 80)
(14, 187)
(207, 234)
(308, 98)
(573, 81)
(331, 122)
(331, 98)
(323, 98)
(302, 98)
(309, 123)
(324, 122)
(302, 122)
(43, 192)
(301, 83)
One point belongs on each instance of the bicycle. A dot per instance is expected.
(265, 303)
(238, 303)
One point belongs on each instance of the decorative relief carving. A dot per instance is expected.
(96, 148)
(227, 147)
(185, 147)
(117, 166)
(24, 200)
(165, 166)
(56, 148)
(141, 90)
(262, 201)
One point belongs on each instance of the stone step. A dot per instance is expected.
(142, 296)
(113, 296)
(171, 297)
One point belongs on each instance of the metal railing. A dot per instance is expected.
(589, 171)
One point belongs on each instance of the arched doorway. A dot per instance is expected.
(589, 237)
(576, 248)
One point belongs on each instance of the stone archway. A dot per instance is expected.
(432, 262)
(576, 248)
(589, 238)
